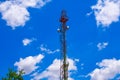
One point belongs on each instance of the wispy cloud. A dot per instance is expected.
(53, 71)
(88, 14)
(102, 45)
(15, 12)
(44, 49)
(29, 64)
(108, 69)
(106, 12)
(27, 41)
(77, 60)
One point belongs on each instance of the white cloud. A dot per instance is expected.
(29, 64)
(108, 70)
(53, 71)
(102, 45)
(33, 3)
(44, 49)
(27, 41)
(77, 60)
(15, 12)
(88, 14)
(107, 11)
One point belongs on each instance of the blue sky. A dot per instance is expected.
(29, 39)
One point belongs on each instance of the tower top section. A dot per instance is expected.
(64, 17)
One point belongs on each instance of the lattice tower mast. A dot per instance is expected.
(62, 30)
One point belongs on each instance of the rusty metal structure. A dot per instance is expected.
(62, 30)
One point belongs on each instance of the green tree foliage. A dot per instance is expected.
(13, 75)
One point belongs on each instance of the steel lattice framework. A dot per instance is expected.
(62, 30)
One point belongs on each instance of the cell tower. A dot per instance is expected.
(62, 30)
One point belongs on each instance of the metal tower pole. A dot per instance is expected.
(64, 64)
